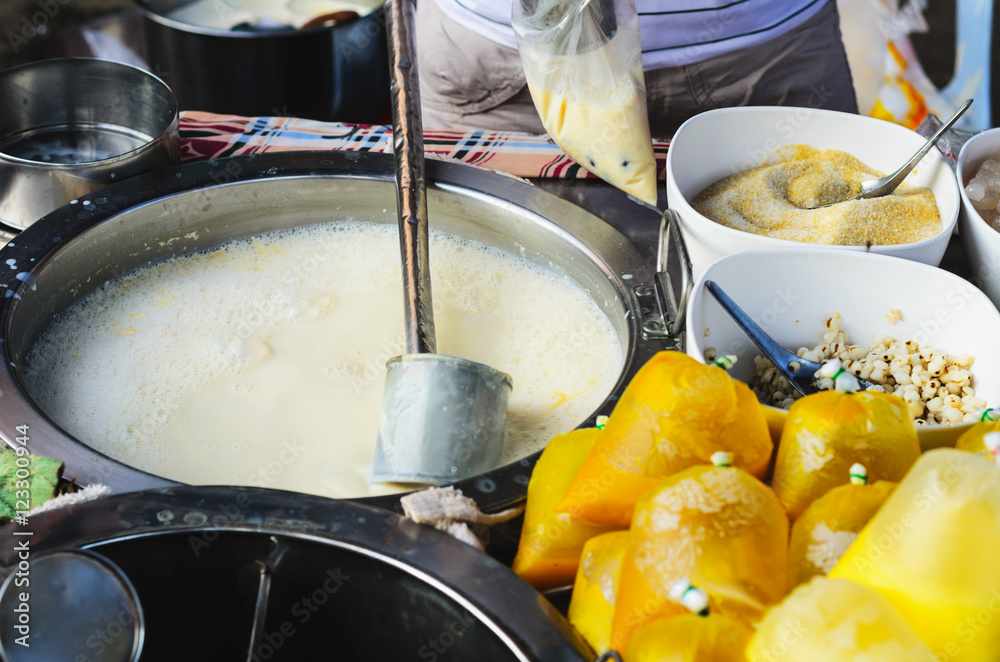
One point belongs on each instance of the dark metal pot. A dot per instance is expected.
(336, 73)
(153, 217)
(249, 574)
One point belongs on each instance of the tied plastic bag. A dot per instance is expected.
(888, 79)
(583, 64)
(889, 82)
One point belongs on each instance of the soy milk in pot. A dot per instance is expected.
(261, 362)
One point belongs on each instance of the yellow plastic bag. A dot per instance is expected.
(675, 414)
(594, 592)
(931, 550)
(829, 525)
(972, 440)
(549, 551)
(826, 432)
(690, 638)
(834, 620)
(718, 527)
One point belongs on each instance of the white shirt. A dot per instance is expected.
(672, 32)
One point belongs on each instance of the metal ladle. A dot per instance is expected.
(797, 371)
(442, 417)
(876, 188)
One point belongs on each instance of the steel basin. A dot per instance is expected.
(78, 247)
(354, 581)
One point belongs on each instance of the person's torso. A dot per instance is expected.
(673, 32)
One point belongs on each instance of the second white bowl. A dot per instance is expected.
(792, 292)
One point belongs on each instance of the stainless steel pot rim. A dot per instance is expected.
(512, 610)
(375, 14)
(32, 249)
(170, 128)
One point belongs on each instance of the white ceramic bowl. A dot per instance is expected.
(722, 142)
(792, 292)
(981, 241)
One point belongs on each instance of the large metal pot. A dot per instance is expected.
(77, 248)
(333, 73)
(252, 574)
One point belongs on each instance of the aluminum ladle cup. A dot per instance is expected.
(442, 417)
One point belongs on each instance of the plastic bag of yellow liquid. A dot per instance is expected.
(551, 543)
(826, 432)
(690, 638)
(700, 636)
(583, 64)
(594, 593)
(834, 620)
(830, 524)
(675, 413)
(931, 550)
(974, 439)
(718, 527)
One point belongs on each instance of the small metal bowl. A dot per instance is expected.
(70, 126)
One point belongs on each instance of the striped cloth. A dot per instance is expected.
(208, 136)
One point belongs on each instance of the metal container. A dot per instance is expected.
(251, 574)
(200, 205)
(72, 595)
(70, 126)
(335, 73)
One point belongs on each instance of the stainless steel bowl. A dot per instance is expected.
(70, 126)
(251, 574)
(197, 206)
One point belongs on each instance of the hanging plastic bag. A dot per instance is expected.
(889, 81)
(583, 64)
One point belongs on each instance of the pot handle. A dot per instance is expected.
(7, 233)
(671, 291)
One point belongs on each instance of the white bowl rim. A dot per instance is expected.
(958, 170)
(798, 247)
(946, 227)
(698, 290)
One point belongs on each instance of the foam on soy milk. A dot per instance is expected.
(262, 362)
